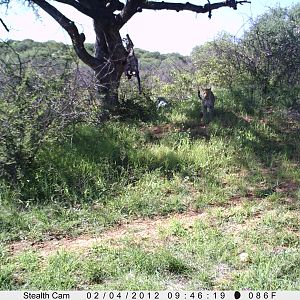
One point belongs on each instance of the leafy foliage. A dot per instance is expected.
(272, 48)
(262, 66)
(135, 106)
(34, 109)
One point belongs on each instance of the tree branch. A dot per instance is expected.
(115, 5)
(69, 26)
(85, 10)
(134, 6)
(94, 8)
(4, 25)
(130, 8)
(192, 7)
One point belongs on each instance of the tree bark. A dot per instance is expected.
(111, 54)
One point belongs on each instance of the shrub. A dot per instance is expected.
(36, 105)
(136, 106)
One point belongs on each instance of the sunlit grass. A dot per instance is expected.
(203, 253)
(241, 176)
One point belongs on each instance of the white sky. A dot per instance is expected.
(163, 31)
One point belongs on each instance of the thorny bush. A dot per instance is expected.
(37, 104)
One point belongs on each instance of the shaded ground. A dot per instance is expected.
(194, 128)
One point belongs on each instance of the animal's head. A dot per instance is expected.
(206, 92)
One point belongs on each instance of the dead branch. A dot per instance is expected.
(4, 25)
(192, 7)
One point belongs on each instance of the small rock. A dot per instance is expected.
(244, 257)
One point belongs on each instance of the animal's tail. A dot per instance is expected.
(139, 82)
(199, 94)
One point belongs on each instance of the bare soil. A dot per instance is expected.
(144, 229)
(140, 229)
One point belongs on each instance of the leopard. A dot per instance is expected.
(208, 99)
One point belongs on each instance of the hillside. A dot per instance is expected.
(36, 52)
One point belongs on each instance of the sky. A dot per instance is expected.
(163, 31)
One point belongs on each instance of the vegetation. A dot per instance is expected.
(262, 67)
(174, 204)
(111, 58)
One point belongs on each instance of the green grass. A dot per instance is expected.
(203, 254)
(243, 176)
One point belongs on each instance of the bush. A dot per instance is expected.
(263, 64)
(36, 105)
(136, 106)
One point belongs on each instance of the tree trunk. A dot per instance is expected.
(112, 55)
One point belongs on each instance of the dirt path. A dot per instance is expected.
(140, 229)
(143, 229)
